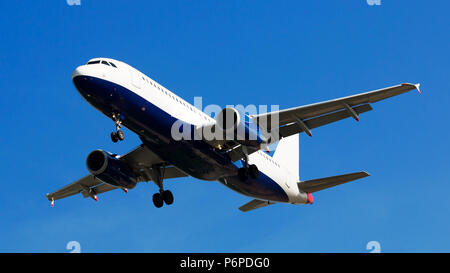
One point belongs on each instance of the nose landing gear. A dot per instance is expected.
(118, 135)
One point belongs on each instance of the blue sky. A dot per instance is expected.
(251, 52)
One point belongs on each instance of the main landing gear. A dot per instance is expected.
(245, 172)
(248, 170)
(163, 196)
(118, 135)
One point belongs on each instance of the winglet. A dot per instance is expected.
(416, 86)
(51, 199)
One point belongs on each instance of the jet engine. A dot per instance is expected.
(111, 170)
(233, 126)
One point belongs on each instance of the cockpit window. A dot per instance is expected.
(102, 62)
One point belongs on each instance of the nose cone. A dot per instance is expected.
(79, 71)
(82, 79)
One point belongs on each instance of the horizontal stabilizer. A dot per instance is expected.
(255, 204)
(328, 182)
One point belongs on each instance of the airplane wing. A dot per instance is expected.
(304, 118)
(255, 204)
(140, 160)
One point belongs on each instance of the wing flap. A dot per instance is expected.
(328, 182)
(294, 128)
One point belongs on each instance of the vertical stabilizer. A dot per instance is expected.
(287, 154)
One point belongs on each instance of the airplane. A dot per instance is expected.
(133, 100)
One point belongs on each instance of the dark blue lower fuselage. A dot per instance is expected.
(153, 125)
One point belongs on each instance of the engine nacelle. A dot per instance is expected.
(110, 170)
(233, 126)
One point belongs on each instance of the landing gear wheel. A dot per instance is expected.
(158, 200)
(253, 171)
(120, 135)
(167, 197)
(243, 174)
(114, 137)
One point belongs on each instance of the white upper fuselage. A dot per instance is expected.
(140, 84)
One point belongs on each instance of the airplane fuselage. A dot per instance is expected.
(149, 110)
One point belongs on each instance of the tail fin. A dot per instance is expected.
(287, 154)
